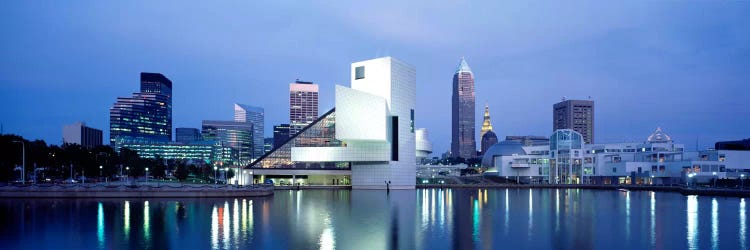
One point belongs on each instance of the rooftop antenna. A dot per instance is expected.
(589, 98)
(563, 98)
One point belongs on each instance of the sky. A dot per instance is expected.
(680, 65)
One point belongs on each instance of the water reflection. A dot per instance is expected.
(692, 221)
(743, 225)
(372, 219)
(100, 226)
(714, 224)
(126, 219)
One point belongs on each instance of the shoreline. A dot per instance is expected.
(133, 191)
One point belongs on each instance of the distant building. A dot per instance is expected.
(529, 140)
(488, 137)
(424, 146)
(733, 145)
(236, 135)
(280, 134)
(200, 151)
(79, 133)
(147, 115)
(187, 135)
(463, 142)
(303, 105)
(566, 159)
(577, 115)
(267, 145)
(254, 115)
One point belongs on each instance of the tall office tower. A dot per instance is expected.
(577, 115)
(147, 115)
(187, 135)
(236, 135)
(463, 143)
(303, 105)
(280, 134)
(79, 133)
(486, 124)
(254, 115)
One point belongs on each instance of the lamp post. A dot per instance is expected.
(714, 173)
(23, 161)
(215, 169)
(226, 174)
(146, 175)
(127, 171)
(100, 171)
(690, 176)
(742, 181)
(652, 180)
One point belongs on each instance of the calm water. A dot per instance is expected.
(421, 219)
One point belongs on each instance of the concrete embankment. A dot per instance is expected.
(682, 190)
(132, 191)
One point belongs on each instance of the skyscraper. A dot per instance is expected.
(79, 133)
(577, 115)
(280, 134)
(147, 115)
(254, 115)
(303, 105)
(488, 137)
(486, 124)
(236, 135)
(463, 143)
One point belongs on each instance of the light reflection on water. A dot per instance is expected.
(358, 219)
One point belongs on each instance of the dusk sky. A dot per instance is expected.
(680, 65)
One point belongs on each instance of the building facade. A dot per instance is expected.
(198, 151)
(423, 144)
(367, 141)
(255, 116)
(487, 135)
(303, 105)
(236, 135)
(657, 160)
(463, 142)
(577, 115)
(187, 135)
(147, 115)
(280, 134)
(79, 133)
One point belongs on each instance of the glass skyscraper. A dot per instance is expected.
(463, 142)
(303, 105)
(233, 134)
(147, 115)
(254, 115)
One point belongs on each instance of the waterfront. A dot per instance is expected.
(421, 219)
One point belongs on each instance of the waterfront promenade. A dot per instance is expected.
(139, 190)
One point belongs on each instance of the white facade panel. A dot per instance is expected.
(361, 152)
(360, 116)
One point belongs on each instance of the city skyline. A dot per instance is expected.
(671, 94)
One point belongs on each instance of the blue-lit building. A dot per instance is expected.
(236, 135)
(188, 135)
(255, 116)
(147, 115)
(202, 151)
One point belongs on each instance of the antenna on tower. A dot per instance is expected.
(563, 98)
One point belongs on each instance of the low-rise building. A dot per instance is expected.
(568, 160)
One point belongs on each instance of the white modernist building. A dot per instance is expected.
(370, 133)
(567, 159)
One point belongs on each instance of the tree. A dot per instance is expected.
(181, 173)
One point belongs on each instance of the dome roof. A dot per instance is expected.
(659, 136)
(503, 148)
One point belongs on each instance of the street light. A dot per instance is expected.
(690, 176)
(714, 179)
(742, 181)
(226, 174)
(23, 161)
(146, 174)
(215, 168)
(127, 170)
(652, 180)
(100, 171)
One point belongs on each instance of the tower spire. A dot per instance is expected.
(487, 124)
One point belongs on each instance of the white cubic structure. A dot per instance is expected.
(375, 124)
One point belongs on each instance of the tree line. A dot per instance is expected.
(53, 163)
